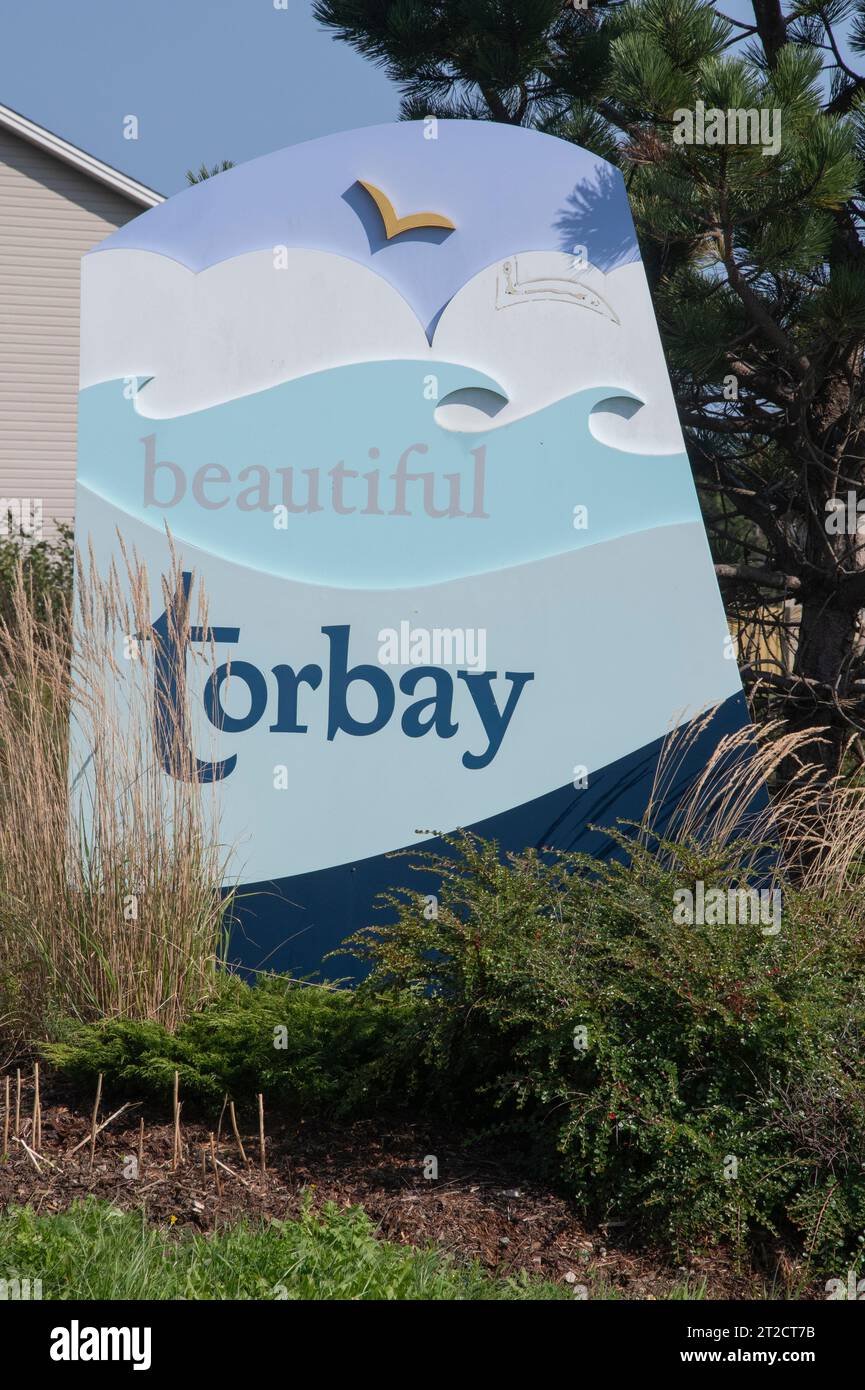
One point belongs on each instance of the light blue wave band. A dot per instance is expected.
(613, 665)
(534, 473)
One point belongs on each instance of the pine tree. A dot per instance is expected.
(203, 172)
(755, 255)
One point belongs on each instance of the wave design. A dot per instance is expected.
(291, 923)
(528, 501)
(610, 673)
(393, 498)
(505, 187)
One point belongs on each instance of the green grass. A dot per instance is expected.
(94, 1251)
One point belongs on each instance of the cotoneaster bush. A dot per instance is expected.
(716, 1092)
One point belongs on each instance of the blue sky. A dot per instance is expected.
(207, 79)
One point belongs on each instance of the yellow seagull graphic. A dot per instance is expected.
(394, 225)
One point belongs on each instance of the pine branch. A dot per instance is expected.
(771, 27)
(760, 315)
(767, 579)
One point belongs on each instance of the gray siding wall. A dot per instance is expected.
(50, 214)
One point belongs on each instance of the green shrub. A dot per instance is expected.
(703, 1044)
(47, 570)
(308, 1046)
(717, 1091)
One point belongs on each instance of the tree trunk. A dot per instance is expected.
(826, 639)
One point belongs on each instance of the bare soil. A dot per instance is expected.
(482, 1205)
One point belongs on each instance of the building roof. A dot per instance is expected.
(79, 159)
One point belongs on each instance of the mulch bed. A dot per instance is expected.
(481, 1206)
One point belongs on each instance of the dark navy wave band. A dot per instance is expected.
(289, 924)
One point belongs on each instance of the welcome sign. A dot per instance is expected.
(399, 397)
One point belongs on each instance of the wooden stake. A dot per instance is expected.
(37, 1159)
(127, 1105)
(37, 1110)
(225, 1168)
(6, 1104)
(221, 1117)
(176, 1157)
(215, 1165)
(261, 1131)
(178, 1141)
(93, 1123)
(141, 1146)
(237, 1134)
(17, 1102)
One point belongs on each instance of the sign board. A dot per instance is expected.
(399, 396)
